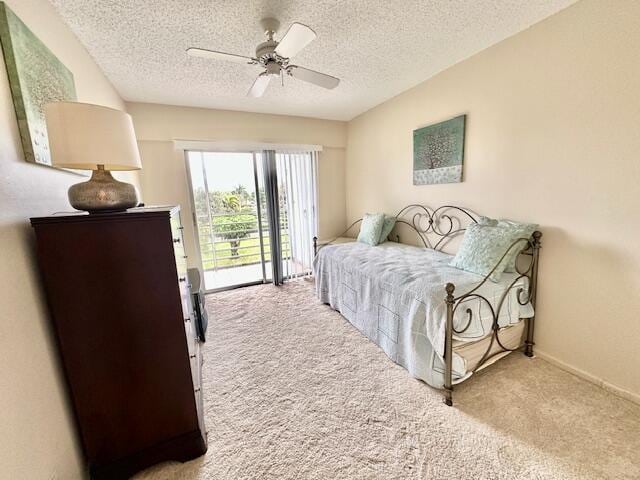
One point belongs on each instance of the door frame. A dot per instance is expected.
(194, 220)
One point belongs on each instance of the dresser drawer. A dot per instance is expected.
(185, 292)
(199, 394)
(177, 237)
(176, 224)
(190, 335)
(179, 251)
(196, 373)
(195, 358)
(181, 262)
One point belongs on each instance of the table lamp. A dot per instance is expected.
(91, 137)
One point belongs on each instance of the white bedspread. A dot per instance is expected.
(394, 294)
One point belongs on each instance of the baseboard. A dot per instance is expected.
(620, 392)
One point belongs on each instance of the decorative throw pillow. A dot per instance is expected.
(371, 228)
(492, 222)
(516, 230)
(389, 223)
(481, 249)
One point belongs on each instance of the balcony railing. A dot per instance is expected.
(228, 248)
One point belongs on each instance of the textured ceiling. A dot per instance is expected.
(378, 48)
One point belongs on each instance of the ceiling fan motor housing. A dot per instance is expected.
(265, 53)
(266, 49)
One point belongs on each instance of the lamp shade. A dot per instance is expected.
(83, 136)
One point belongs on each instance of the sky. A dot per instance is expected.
(224, 170)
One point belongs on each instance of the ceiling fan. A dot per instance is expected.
(274, 56)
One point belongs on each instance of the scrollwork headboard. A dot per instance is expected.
(435, 227)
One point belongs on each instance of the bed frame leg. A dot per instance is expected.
(448, 345)
(529, 343)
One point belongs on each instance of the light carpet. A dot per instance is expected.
(293, 391)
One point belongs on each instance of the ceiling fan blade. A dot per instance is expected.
(229, 57)
(297, 37)
(311, 76)
(259, 86)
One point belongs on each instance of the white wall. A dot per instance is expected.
(37, 438)
(164, 177)
(553, 118)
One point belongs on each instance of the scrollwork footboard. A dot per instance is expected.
(531, 251)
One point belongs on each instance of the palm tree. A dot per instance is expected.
(230, 202)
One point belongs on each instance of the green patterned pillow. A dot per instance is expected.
(389, 223)
(515, 230)
(481, 249)
(492, 222)
(371, 228)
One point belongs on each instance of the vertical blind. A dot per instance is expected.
(273, 200)
(297, 174)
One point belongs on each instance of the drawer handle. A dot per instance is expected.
(197, 390)
(185, 256)
(180, 227)
(176, 240)
(188, 319)
(192, 356)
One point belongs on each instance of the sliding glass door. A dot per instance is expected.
(248, 208)
(228, 218)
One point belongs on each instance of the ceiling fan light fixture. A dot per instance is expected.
(273, 68)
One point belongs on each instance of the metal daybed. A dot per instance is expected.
(442, 324)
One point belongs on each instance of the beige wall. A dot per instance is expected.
(164, 177)
(553, 138)
(37, 439)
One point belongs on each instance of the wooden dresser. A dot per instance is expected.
(120, 307)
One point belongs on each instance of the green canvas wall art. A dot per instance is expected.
(438, 152)
(36, 78)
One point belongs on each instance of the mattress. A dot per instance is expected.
(394, 294)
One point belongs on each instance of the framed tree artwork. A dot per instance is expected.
(438, 152)
(36, 77)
